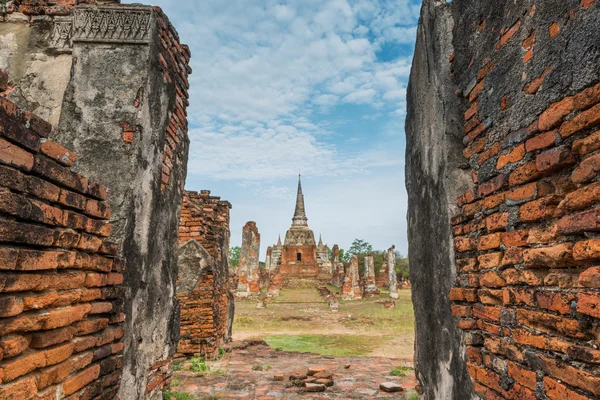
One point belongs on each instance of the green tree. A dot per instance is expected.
(402, 266)
(360, 248)
(234, 256)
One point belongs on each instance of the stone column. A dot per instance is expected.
(249, 280)
(392, 272)
(337, 268)
(268, 259)
(370, 286)
(351, 287)
(383, 277)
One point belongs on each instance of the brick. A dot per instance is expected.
(509, 34)
(490, 260)
(556, 113)
(64, 317)
(555, 301)
(504, 347)
(491, 186)
(23, 389)
(590, 278)
(587, 221)
(522, 375)
(14, 345)
(496, 221)
(486, 69)
(587, 170)
(584, 120)
(557, 391)
(10, 306)
(589, 303)
(552, 323)
(581, 198)
(584, 354)
(476, 146)
(514, 156)
(539, 209)
(541, 141)
(492, 151)
(523, 174)
(587, 250)
(90, 325)
(18, 134)
(525, 337)
(78, 381)
(60, 372)
(461, 311)
(518, 297)
(58, 174)
(57, 152)
(521, 194)
(512, 256)
(97, 209)
(554, 159)
(48, 338)
(15, 156)
(558, 256)
(463, 294)
(37, 124)
(488, 242)
(587, 144)
(514, 238)
(487, 313)
(17, 232)
(543, 234)
(570, 375)
(492, 279)
(534, 85)
(463, 244)
(490, 297)
(491, 202)
(587, 98)
(553, 29)
(33, 360)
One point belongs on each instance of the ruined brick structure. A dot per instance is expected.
(517, 92)
(351, 289)
(382, 280)
(370, 288)
(203, 288)
(248, 274)
(337, 277)
(61, 308)
(300, 258)
(112, 81)
(392, 276)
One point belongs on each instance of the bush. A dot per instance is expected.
(199, 365)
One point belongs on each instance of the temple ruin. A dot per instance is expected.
(205, 298)
(299, 260)
(248, 273)
(502, 170)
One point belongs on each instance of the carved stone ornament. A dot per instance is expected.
(112, 24)
(60, 37)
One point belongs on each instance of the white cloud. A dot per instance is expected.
(364, 96)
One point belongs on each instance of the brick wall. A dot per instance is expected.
(526, 241)
(174, 61)
(204, 309)
(60, 308)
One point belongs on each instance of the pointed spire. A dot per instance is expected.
(299, 213)
(320, 241)
(279, 240)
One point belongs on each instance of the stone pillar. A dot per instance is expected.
(337, 267)
(392, 272)
(383, 277)
(351, 287)
(370, 286)
(268, 259)
(249, 279)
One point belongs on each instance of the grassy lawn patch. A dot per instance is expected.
(331, 345)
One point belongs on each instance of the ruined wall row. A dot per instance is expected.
(526, 236)
(61, 309)
(203, 291)
(436, 173)
(123, 112)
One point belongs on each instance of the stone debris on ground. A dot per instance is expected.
(292, 375)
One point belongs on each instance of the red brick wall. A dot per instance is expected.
(60, 318)
(203, 325)
(174, 61)
(526, 241)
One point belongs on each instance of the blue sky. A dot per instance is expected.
(316, 87)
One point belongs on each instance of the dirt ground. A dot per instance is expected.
(302, 313)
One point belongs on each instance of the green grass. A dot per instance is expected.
(168, 395)
(330, 345)
(198, 364)
(400, 371)
(301, 295)
(413, 396)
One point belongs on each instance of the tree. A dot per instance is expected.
(234, 256)
(360, 247)
(402, 265)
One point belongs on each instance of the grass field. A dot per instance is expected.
(300, 320)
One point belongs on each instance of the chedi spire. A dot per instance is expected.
(299, 213)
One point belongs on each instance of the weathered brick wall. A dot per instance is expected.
(204, 309)
(61, 300)
(526, 241)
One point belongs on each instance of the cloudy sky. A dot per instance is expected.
(309, 86)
